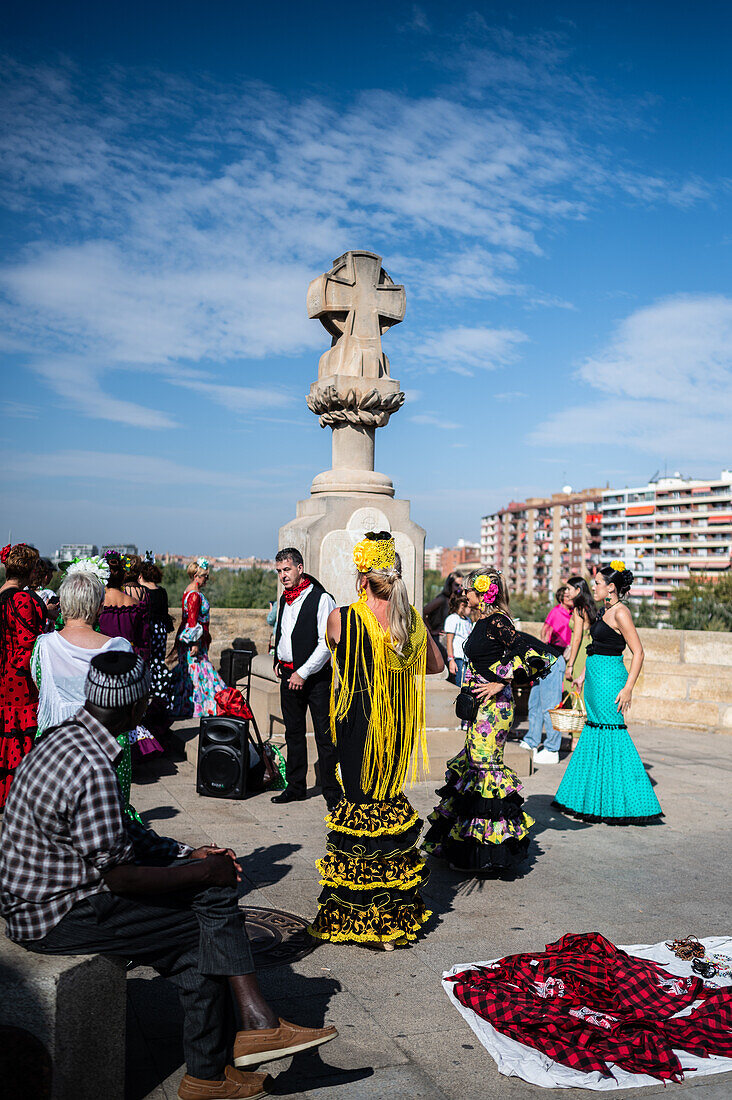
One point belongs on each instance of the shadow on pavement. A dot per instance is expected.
(539, 806)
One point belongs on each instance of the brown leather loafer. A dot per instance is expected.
(235, 1086)
(267, 1044)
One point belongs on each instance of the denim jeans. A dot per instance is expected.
(460, 662)
(545, 694)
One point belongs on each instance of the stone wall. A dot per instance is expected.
(686, 679)
(228, 623)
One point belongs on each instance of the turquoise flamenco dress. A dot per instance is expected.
(605, 780)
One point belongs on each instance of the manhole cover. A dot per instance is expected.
(276, 937)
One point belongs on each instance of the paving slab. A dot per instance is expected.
(399, 1035)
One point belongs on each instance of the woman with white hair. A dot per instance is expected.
(60, 660)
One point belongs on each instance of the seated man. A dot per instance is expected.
(77, 877)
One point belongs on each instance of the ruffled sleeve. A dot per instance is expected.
(192, 629)
(524, 659)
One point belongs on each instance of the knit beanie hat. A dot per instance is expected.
(117, 679)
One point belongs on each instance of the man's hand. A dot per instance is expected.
(208, 850)
(219, 869)
(296, 682)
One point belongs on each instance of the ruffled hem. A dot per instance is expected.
(372, 819)
(482, 830)
(341, 924)
(471, 856)
(493, 780)
(400, 871)
(595, 819)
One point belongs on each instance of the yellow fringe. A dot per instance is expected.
(396, 685)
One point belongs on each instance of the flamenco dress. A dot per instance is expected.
(479, 825)
(159, 712)
(605, 779)
(195, 680)
(372, 871)
(132, 622)
(22, 619)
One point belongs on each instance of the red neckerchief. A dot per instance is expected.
(291, 594)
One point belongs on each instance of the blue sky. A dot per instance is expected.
(552, 184)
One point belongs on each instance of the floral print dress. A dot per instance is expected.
(479, 824)
(195, 679)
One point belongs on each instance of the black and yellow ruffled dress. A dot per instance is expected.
(372, 871)
(479, 825)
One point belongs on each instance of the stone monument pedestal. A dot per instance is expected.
(328, 525)
(356, 301)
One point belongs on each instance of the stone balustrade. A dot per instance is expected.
(686, 678)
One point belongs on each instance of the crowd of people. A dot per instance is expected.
(86, 680)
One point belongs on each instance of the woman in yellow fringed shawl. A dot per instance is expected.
(372, 871)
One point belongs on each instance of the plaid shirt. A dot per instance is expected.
(589, 1005)
(64, 826)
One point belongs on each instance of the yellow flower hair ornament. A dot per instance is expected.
(618, 566)
(371, 554)
(487, 588)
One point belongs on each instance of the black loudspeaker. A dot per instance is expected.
(223, 757)
(236, 665)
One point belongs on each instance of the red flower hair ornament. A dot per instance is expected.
(5, 553)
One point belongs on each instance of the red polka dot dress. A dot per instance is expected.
(21, 621)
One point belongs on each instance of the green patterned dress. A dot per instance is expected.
(605, 779)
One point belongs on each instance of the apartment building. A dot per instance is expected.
(543, 540)
(71, 550)
(669, 530)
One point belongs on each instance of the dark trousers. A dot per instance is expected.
(314, 694)
(196, 938)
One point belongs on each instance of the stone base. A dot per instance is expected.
(75, 1006)
(329, 525)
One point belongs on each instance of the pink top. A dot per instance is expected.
(559, 623)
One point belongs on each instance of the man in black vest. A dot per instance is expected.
(302, 662)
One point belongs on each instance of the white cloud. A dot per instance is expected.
(464, 349)
(76, 382)
(240, 399)
(128, 468)
(667, 379)
(180, 222)
(432, 420)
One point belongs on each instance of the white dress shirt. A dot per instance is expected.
(321, 654)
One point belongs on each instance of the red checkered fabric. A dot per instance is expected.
(589, 1005)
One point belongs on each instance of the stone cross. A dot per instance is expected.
(356, 302)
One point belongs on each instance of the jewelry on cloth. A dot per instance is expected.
(687, 949)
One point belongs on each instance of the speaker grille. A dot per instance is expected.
(220, 769)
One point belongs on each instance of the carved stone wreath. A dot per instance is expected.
(371, 408)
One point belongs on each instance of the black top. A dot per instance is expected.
(495, 639)
(606, 642)
(487, 643)
(157, 600)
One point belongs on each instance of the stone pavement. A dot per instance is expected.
(400, 1038)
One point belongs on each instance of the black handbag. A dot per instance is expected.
(466, 705)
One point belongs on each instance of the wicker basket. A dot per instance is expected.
(569, 719)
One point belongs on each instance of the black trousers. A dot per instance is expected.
(196, 938)
(314, 694)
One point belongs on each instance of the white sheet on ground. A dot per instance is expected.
(514, 1059)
